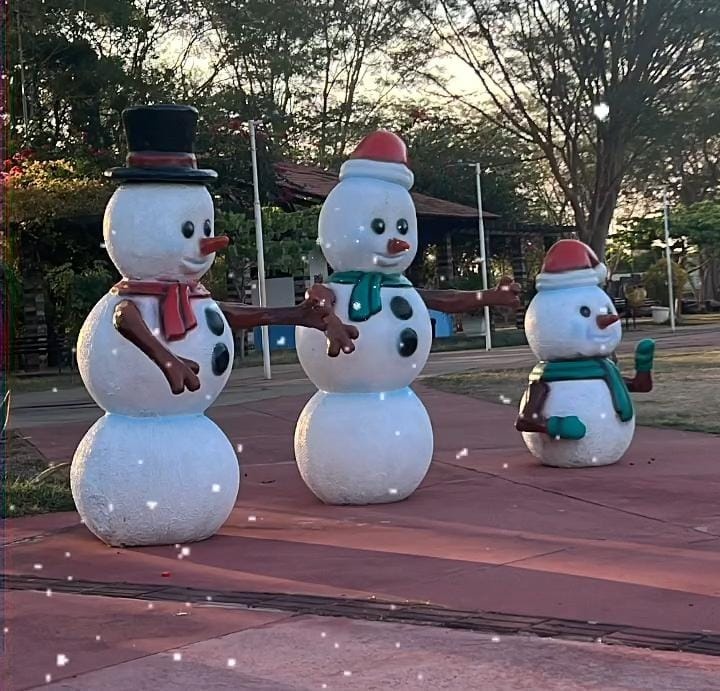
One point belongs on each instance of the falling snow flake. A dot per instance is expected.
(185, 551)
(239, 448)
(462, 453)
(392, 490)
(252, 519)
(177, 657)
(505, 399)
(347, 673)
(62, 660)
(216, 488)
(231, 662)
(151, 505)
(37, 567)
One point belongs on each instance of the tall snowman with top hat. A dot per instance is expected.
(157, 350)
(577, 410)
(365, 437)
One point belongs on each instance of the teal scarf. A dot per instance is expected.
(365, 296)
(589, 368)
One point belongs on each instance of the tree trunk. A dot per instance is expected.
(710, 276)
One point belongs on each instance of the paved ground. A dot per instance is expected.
(634, 545)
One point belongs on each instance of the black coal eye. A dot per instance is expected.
(188, 228)
(378, 225)
(585, 311)
(207, 228)
(402, 226)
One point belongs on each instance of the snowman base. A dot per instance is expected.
(154, 480)
(363, 448)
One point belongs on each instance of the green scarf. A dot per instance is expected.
(589, 368)
(365, 296)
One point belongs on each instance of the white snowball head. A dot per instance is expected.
(565, 323)
(368, 225)
(153, 230)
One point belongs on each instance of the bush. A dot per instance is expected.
(656, 283)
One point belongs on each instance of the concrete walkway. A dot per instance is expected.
(632, 545)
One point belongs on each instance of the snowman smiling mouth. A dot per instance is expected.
(396, 248)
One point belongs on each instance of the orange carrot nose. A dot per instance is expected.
(604, 320)
(210, 245)
(396, 246)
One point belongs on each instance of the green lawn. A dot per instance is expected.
(686, 394)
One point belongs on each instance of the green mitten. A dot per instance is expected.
(569, 427)
(644, 353)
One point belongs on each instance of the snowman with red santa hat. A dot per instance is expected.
(577, 410)
(365, 437)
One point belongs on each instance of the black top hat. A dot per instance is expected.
(160, 145)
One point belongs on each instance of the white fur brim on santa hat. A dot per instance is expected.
(397, 173)
(572, 279)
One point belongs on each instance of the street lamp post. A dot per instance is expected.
(668, 259)
(483, 254)
(260, 248)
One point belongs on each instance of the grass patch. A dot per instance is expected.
(686, 393)
(23, 496)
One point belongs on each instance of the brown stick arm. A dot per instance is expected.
(315, 312)
(641, 383)
(180, 373)
(506, 294)
(531, 418)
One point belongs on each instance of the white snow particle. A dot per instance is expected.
(495, 639)
(420, 676)
(239, 448)
(151, 505)
(397, 645)
(156, 331)
(603, 416)
(177, 657)
(62, 660)
(102, 245)
(67, 555)
(208, 598)
(505, 465)
(461, 453)
(397, 432)
(231, 662)
(336, 645)
(54, 389)
(252, 519)
(48, 678)
(281, 341)
(534, 416)
(347, 673)
(208, 397)
(598, 640)
(557, 437)
(37, 567)
(168, 364)
(594, 459)
(185, 551)
(48, 592)
(140, 461)
(216, 488)
(114, 351)
(5, 629)
(323, 634)
(323, 686)
(150, 605)
(505, 399)
(11, 507)
(392, 490)
(356, 306)
(97, 638)
(382, 396)
(393, 608)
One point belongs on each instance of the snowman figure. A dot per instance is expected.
(365, 437)
(156, 351)
(577, 411)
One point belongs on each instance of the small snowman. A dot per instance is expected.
(365, 437)
(157, 350)
(577, 411)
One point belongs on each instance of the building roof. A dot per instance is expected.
(316, 183)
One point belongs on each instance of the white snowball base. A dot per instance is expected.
(363, 448)
(154, 480)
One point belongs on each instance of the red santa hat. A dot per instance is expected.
(569, 264)
(381, 155)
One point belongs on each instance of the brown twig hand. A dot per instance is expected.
(181, 374)
(319, 304)
(506, 293)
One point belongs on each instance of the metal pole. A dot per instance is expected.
(483, 256)
(260, 250)
(668, 259)
(23, 93)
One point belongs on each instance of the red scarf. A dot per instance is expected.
(176, 313)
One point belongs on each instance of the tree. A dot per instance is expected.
(546, 68)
